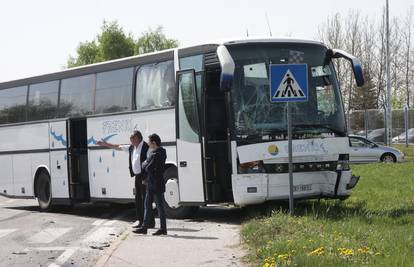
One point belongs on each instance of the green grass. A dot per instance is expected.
(408, 151)
(374, 227)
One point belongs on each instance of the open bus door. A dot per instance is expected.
(189, 146)
(78, 160)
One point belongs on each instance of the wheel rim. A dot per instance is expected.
(388, 159)
(171, 194)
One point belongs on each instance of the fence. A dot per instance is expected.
(372, 124)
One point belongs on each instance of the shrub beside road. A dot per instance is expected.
(374, 227)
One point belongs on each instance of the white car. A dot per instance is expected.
(364, 151)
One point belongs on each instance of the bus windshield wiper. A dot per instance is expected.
(323, 126)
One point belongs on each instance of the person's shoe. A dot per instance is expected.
(141, 230)
(160, 232)
(137, 226)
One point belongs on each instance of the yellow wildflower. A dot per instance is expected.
(345, 251)
(364, 250)
(317, 252)
(269, 262)
(283, 257)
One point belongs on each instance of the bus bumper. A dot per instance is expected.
(258, 188)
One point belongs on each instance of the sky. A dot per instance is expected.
(37, 37)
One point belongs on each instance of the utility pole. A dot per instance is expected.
(388, 77)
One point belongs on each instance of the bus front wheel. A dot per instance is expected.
(43, 191)
(171, 197)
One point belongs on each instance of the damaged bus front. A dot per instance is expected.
(259, 146)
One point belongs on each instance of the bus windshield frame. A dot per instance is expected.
(254, 117)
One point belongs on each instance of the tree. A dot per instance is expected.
(113, 43)
(365, 38)
(407, 52)
(362, 97)
(88, 53)
(152, 41)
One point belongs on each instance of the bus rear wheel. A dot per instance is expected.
(171, 197)
(43, 191)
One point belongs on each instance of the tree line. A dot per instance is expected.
(365, 37)
(112, 43)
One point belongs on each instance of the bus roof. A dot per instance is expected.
(143, 59)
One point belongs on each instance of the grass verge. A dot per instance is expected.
(374, 227)
(407, 150)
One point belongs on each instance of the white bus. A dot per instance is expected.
(225, 139)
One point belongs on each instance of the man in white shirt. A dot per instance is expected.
(137, 155)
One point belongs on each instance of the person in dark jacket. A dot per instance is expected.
(137, 155)
(154, 166)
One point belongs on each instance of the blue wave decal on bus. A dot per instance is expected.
(58, 138)
(93, 141)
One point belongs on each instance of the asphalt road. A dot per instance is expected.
(64, 237)
(84, 235)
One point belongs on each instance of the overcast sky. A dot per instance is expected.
(38, 36)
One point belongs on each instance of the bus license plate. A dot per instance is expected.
(302, 187)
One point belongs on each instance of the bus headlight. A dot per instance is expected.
(250, 167)
(343, 163)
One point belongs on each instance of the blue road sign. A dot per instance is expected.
(289, 83)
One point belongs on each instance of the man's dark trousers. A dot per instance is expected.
(140, 196)
(149, 199)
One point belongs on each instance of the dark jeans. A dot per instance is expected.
(159, 201)
(140, 193)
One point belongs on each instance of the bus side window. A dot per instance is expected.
(110, 83)
(43, 98)
(13, 104)
(76, 96)
(155, 86)
(197, 63)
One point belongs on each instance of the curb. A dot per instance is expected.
(105, 257)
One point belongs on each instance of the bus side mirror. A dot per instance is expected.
(356, 64)
(227, 68)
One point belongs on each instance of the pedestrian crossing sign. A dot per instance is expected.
(288, 82)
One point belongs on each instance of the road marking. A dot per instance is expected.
(101, 235)
(64, 257)
(4, 232)
(109, 223)
(7, 202)
(7, 214)
(48, 235)
(98, 222)
(45, 248)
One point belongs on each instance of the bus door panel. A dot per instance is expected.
(189, 147)
(58, 166)
(78, 160)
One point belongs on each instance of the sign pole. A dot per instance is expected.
(289, 130)
(289, 83)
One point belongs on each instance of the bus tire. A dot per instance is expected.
(43, 191)
(180, 212)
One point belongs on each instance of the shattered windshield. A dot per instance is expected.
(255, 116)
